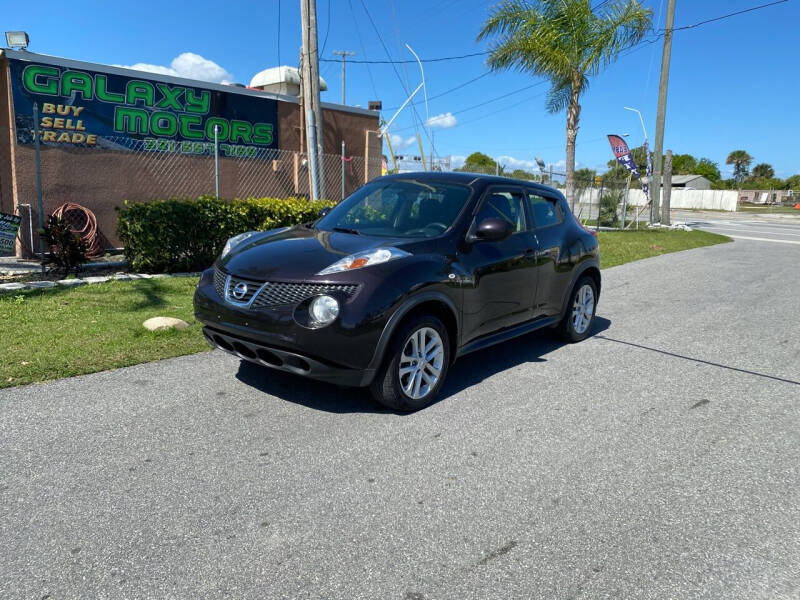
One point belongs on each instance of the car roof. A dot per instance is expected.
(470, 179)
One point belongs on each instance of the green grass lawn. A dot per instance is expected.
(768, 210)
(47, 334)
(619, 247)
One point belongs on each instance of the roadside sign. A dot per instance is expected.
(9, 226)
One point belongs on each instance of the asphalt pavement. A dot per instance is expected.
(658, 459)
(775, 228)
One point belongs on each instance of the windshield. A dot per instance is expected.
(398, 208)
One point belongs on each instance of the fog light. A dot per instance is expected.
(323, 310)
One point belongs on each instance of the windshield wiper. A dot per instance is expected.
(346, 230)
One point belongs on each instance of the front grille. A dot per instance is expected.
(278, 294)
(275, 293)
(219, 282)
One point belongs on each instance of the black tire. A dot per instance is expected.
(387, 388)
(566, 328)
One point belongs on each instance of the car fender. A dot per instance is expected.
(405, 308)
(579, 270)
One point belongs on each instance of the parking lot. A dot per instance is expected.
(658, 459)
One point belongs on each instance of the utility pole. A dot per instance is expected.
(344, 54)
(665, 220)
(661, 113)
(309, 80)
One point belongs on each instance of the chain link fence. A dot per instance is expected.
(103, 176)
(154, 168)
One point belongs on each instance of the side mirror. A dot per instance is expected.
(324, 211)
(493, 230)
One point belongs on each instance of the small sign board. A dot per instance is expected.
(9, 226)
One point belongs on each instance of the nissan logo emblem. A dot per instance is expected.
(239, 290)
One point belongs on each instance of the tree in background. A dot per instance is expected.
(683, 164)
(523, 174)
(566, 42)
(478, 162)
(763, 171)
(708, 169)
(792, 183)
(741, 165)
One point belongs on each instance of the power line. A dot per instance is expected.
(453, 89)
(327, 29)
(733, 14)
(363, 49)
(394, 68)
(410, 61)
(485, 102)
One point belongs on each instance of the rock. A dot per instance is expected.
(11, 287)
(40, 284)
(141, 276)
(122, 277)
(159, 323)
(96, 279)
(70, 282)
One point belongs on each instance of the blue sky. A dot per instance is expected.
(733, 83)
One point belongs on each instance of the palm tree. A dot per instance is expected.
(566, 42)
(741, 165)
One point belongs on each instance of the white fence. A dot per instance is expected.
(697, 199)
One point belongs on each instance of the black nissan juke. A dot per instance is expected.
(402, 277)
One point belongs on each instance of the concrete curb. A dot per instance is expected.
(67, 283)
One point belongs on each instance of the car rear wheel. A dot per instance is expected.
(415, 367)
(579, 318)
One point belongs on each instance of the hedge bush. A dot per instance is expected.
(188, 234)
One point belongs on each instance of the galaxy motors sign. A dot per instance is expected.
(80, 107)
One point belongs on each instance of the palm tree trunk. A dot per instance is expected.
(573, 116)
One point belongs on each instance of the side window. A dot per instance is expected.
(545, 212)
(503, 205)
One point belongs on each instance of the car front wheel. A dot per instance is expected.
(577, 323)
(415, 367)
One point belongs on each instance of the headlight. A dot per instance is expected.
(235, 241)
(364, 259)
(323, 310)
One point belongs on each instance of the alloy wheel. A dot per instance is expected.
(421, 362)
(583, 308)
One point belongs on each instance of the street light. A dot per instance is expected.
(638, 112)
(427, 114)
(17, 39)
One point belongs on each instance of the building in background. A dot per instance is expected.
(110, 135)
(694, 182)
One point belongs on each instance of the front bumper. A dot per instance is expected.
(283, 360)
(343, 352)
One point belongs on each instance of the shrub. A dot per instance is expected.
(188, 234)
(67, 249)
(608, 210)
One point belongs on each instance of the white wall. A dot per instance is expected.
(698, 199)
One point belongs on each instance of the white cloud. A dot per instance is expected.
(457, 161)
(401, 143)
(189, 65)
(442, 121)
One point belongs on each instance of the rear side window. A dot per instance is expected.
(545, 212)
(506, 206)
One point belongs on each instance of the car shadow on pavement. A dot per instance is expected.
(474, 368)
(467, 371)
(308, 392)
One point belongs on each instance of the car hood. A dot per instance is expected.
(299, 253)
